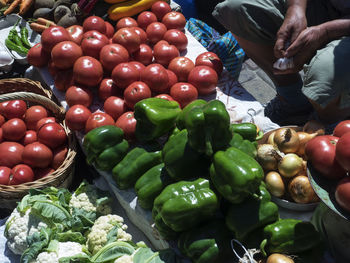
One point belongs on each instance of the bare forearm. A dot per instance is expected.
(297, 3)
(337, 28)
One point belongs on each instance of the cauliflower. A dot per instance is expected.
(61, 250)
(103, 231)
(18, 227)
(88, 198)
(125, 259)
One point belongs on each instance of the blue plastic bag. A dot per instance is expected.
(225, 46)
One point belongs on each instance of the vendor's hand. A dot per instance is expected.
(304, 48)
(294, 23)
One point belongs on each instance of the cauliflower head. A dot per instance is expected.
(125, 259)
(88, 198)
(62, 250)
(18, 227)
(106, 228)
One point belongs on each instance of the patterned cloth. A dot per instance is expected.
(225, 46)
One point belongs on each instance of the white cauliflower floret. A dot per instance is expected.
(97, 237)
(18, 227)
(87, 201)
(125, 259)
(64, 249)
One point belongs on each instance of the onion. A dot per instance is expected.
(274, 184)
(279, 258)
(301, 191)
(270, 140)
(314, 127)
(286, 140)
(268, 157)
(290, 165)
(304, 137)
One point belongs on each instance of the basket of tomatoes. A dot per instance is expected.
(37, 149)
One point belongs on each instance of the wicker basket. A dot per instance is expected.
(33, 93)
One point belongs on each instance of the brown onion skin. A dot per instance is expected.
(301, 191)
(287, 140)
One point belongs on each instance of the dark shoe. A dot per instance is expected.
(283, 113)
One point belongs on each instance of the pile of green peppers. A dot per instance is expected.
(204, 185)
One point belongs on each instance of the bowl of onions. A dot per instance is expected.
(281, 153)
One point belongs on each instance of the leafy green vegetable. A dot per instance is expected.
(52, 212)
(36, 243)
(112, 251)
(70, 236)
(80, 258)
(146, 255)
(112, 235)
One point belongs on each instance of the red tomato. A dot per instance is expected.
(174, 20)
(204, 79)
(183, 93)
(52, 68)
(113, 54)
(5, 173)
(107, 88)
(1, 137)
(139, 66)
(29, 137)
(109, 30)
(14, 129)
(127, 123)
(44, 121)
(64, 79)
(2, 107)
(125, 22)
(144, 54)
(94, 23)
(320, 151)
(15, 109)
(155, 32)
(342, 151)
(142, 34)
(37, 57)
(52, 36)
(10, 154)
(156, 78)
(87, 71)
(92, 43)
(165, 96)
(146, 18)
(78, 95)
(65, 53)
(210, 59)
(76, 117)
(114, 106)
(21, 174)
(37, 155)
(177, 38)
(76, 33)
(128, 38)
(182, 67)
(172, 78)
(135, 92)
(42, 172)
(342, 193)
(124, 74)
(342, 128)
(2, 120)
(98, 119)
(160, 8)
(33, 115)
(59, 155)
(52, 135)
(164, 53)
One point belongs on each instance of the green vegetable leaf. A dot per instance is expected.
(51, 212)
(70, 236)
(112, 235)
(146, 255)
(80, 258)
(36, 243)
(112, 251)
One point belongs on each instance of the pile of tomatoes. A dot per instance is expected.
(137, 59)
(330, 156)
(32, 144)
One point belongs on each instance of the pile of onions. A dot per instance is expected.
(268, 157)
(286, 140)
(290, 165)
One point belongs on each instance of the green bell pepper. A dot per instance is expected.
(183, 205)
(208, 127)
(180, 123)
(155, 117)
(151, 184)
(134, 165)
(111, 156)
(99, 139)
(289, 236)
(209, 243)
(254, 212)
(249, 131)
(235, 174)
(181, 161)
(244, 145)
